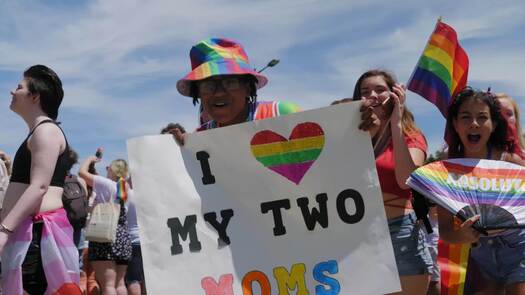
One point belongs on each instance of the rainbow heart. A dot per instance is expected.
(290, 158)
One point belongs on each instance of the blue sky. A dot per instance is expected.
(120, 59)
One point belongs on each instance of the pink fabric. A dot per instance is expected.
(59, 255)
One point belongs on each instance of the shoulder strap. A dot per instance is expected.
(41, 122)
(54, 122)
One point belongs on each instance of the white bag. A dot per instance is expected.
(4, 181)
(102, 225)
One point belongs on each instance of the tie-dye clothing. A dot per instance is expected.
(59, 255)
(261, 110)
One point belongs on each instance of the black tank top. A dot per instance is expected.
(22, 162)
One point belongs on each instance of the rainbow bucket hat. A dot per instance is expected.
(217, 56)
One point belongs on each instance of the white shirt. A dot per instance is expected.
(104, 189)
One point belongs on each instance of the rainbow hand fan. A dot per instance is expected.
(466, 187)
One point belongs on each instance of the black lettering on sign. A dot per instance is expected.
(207, 177)
(359, 206)
(275, 206)
(316, 215)
(211, 218)
(183, 231)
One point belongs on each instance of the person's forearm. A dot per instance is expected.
(25, 206)
(84, 173)
(402, 157)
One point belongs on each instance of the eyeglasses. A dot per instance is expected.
(209, 87)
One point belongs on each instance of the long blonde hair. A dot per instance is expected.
(119, 167)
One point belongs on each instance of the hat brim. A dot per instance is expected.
(214, 68)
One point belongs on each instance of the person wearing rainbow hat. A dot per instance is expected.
(223, 81)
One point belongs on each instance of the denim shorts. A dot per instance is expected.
(502, 258)
(410, 249)
(432, 244)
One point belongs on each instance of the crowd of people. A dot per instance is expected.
(480, 124)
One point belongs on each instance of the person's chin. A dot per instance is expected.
(475, 147)
(220, 116)
(12, 108)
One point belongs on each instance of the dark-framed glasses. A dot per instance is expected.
(209, 87)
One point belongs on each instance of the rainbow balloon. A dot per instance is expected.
(292, 157)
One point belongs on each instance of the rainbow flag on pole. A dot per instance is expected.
(442, 69)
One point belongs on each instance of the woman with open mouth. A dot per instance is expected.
(477, 129)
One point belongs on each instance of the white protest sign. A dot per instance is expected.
(290, 205)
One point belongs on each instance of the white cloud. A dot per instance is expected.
(120, 59)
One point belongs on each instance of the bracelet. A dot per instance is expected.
(3, 227)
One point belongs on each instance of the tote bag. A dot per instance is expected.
(102, 225)
(4, 181)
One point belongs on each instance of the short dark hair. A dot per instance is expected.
(45, 82)
(171, 126)
(250, 79)
(498, 137)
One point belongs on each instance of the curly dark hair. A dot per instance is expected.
(171, 126)
(498, 138)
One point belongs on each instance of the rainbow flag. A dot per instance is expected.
(121, 190)
(442, 69)
(452, 261)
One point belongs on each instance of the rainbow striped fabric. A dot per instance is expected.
(122, 195)
(261, 110)
(453, 261)
(272, 109)
(293, 157)
(59, 255)
(217, 56)
(466, 187)
(455, 183)
(442, 69)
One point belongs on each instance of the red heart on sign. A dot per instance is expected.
(292, 157)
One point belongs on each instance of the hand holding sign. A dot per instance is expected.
(245, 207)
